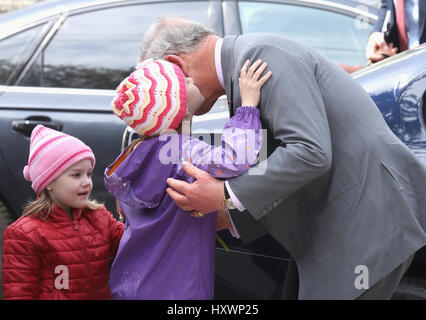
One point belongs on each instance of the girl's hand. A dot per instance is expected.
(250, 83)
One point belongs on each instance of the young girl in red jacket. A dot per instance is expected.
(61, 247)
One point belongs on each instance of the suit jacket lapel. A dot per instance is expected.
(227, 58)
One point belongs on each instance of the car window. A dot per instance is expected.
(98, 49)
(339, 37)
(16, 49)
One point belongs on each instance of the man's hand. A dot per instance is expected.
(378, 49)
(205, 195)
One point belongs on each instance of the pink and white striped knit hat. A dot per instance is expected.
(51, 153)
(153, 98)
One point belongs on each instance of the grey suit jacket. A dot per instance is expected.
(340, 190)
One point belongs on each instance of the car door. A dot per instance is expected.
(15, 50)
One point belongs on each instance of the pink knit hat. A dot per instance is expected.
(153, 98)
(51, 153)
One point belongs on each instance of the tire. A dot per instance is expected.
(5, 220)
(410, 289)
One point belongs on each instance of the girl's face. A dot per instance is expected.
(194, 99)
(72, 188)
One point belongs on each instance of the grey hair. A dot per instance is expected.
(171, 36)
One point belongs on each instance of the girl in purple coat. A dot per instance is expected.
(165, 253)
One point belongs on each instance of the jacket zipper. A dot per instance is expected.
(86, 256)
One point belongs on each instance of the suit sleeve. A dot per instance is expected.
(294, 112)
(21, 266)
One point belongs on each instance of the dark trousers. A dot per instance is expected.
(382, 290)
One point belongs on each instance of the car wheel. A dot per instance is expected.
(410, 289)
(5, 220)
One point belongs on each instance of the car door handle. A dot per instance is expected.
(27, 126)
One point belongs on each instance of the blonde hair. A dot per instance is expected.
(43, 206)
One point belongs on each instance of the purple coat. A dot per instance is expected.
(164, 252)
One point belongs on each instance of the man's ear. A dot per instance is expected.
(179, 61)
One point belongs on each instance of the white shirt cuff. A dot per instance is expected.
(234, 232)
(236, 202)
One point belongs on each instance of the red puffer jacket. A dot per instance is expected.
(61, 258)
